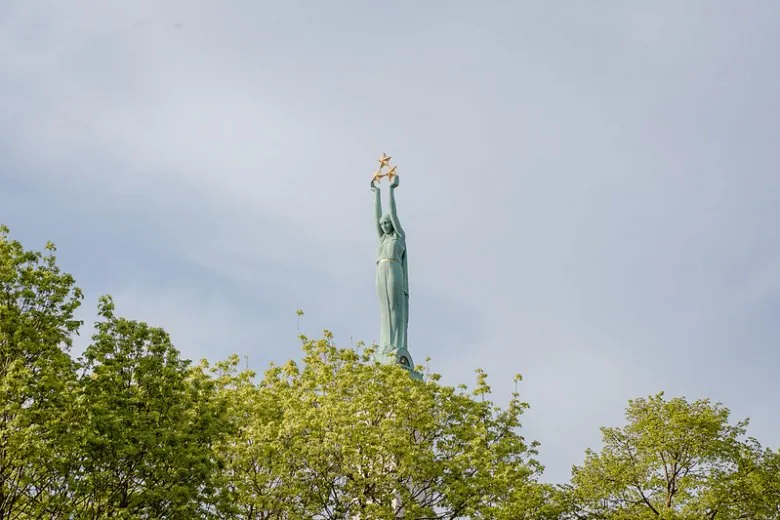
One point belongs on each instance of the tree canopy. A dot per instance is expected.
(676, 459)
(131, 430)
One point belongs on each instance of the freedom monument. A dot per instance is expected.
(392, 274)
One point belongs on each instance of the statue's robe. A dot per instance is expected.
(392, 286)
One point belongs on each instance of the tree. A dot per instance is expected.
(151, 423)
(37, 379)
(676, 460)
(343, 437)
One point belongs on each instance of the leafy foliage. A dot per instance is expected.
(342, 437)
(150, 424)
(676, 460)
(37, 377)
(132, 431)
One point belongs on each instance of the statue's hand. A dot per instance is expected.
(374, 187)
(394, 184)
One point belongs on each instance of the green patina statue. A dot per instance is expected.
(392, 275)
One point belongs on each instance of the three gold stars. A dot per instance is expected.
(384, 162)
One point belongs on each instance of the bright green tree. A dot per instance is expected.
(151, 423)
(339, 436)
(37, 380)
(676, 460)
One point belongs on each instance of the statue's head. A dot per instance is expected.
(387, 224)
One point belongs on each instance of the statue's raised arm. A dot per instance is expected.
(393, 211)
(377, 209)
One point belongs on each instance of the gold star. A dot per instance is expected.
(384, 161)
(378, 175)
(391, 173)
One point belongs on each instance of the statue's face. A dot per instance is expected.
(387, 226)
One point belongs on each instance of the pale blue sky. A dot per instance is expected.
(590, 189)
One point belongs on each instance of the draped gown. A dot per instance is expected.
(392, 288)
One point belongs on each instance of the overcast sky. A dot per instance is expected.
(590, 190)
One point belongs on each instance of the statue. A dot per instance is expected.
(392, 274)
